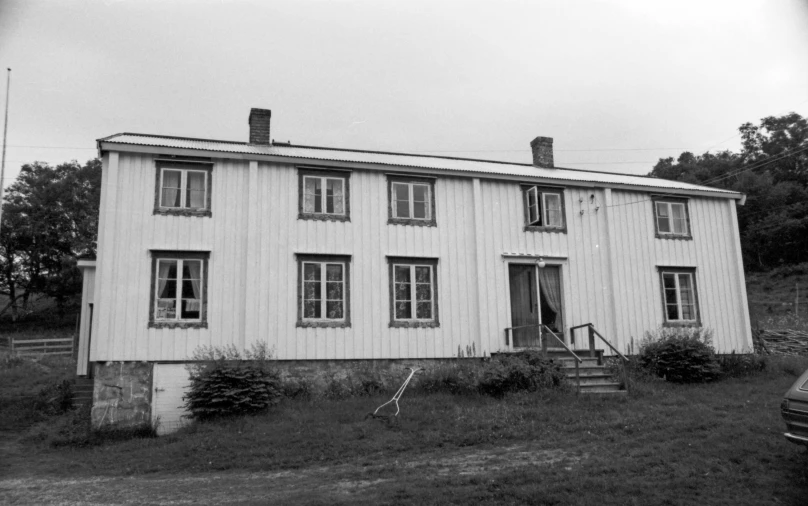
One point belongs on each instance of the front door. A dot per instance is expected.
(524, 305)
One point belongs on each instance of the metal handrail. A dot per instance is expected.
(592, 334)
(610, 345)
(579, 359)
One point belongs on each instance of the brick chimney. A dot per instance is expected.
(542, 152)
(259, 126)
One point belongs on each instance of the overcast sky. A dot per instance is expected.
(617, 84)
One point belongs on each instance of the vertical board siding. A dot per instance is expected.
(712, 252)
(255, 233)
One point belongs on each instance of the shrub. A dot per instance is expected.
(527, 371)
(502, 374)
(298, 389)
(228, 383)
(680, 355)
(55, 399)
(458, 377)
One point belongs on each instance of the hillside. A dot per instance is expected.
(772, 296)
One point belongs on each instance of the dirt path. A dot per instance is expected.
(336, 483)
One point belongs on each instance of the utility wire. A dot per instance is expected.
(757, 165)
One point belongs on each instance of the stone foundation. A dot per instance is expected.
(121, 393)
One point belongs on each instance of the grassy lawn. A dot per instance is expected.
(718, 443)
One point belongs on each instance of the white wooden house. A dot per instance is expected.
(336, 254)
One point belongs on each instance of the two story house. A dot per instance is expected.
(337, 256)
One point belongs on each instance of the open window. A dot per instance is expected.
(324, 195)
(183, 188)
(671, 218)
(544, 208)
(179, 289)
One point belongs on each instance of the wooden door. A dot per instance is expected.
(524, 305)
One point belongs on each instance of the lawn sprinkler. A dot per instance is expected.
(396, 397)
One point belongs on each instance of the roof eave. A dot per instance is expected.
(107, 145)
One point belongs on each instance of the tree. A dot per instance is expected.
(50, 217)
(772, 170)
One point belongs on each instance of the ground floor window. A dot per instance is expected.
(179, 289)
(413, 292)
(679, 297)
(323, 282)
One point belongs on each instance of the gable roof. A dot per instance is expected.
(411, 161)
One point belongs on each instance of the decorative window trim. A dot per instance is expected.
(662, 270)
(156, 255)
(323, 173)
(183, 165)
(324, 258)
(688, 236)
(541, 191)
(430, 182)
(433, 263)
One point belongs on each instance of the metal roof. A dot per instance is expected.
(408, 161)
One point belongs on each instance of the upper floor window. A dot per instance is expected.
(679, 298)
(671, 218)
(544, 209)
(324, 195)
(411, 201)
(179, 289)
(324, 291)
(183, 188)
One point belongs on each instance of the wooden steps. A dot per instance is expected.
(83, 391)
(594, 377)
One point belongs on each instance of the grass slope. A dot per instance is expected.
(772, 295)
(718, 443)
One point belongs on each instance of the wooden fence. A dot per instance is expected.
(62, 346)
(784, 342)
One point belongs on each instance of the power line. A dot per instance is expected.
(785, 154)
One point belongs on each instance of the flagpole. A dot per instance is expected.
(3, 163)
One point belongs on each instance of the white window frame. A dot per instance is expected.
(541, 211)
(411, 200)
(178, 294)
(324, 195)
(537, 206)
(323, 291)
(669, 206)
(546, 211)
(183, 187)
(677, 284)
(413, 298)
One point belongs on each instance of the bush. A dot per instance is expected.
(55, 399)
(680, 355)
(458, 377)
(527, 371)
(298, 389)
(227, 383)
